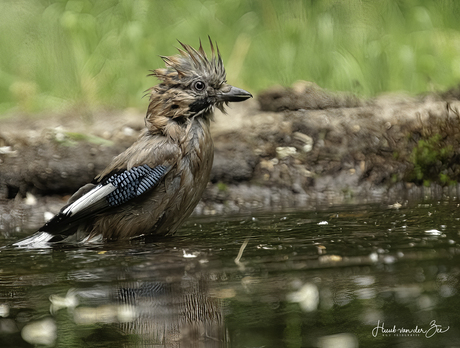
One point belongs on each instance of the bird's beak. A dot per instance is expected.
(234, 94)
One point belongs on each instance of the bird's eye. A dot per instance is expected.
(199, 85)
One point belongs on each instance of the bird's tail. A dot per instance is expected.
(38, 240)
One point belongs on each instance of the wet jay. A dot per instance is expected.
(155, 184)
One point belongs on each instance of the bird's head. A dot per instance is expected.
(191, 86)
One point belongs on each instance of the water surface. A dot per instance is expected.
(348, 276)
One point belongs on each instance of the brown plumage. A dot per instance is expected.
(156, 183)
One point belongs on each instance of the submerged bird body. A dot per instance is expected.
(156, 183)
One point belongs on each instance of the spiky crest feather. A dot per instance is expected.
(192, 63)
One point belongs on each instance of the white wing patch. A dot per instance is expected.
(93, 196)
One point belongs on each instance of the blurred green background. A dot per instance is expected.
(58, 55)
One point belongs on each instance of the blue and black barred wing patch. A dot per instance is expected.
(119, 188)
(133, 183)
(115, 190)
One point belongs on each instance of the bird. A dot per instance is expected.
(155, 184)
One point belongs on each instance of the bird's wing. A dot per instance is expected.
(114, 189)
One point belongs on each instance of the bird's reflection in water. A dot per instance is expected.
(175, 314)
(174, 309)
